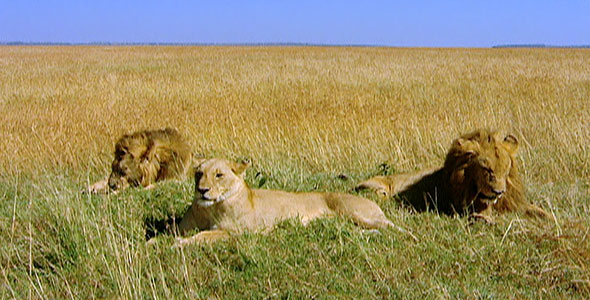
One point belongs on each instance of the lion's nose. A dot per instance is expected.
(203, 190)
(497, 192)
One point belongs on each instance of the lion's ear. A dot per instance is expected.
(195, 164)
(198, 161)
(459, 143)
(120, 151)
(467, 147)
(239, 168)
(511, 143)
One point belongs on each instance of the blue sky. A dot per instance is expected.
(449, 23)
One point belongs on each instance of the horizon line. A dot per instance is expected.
(523, 45)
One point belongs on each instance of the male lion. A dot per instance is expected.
(224, 205)
(480, 173)
(144, 157)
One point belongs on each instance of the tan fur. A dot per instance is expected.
(480, 173)
(391, 185)
(225, 205)
(145, 157)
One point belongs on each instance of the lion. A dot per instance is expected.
(224, 205)
(480, 174)
(145, 157)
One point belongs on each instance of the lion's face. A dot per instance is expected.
(491, 170)
(125, 170)
(217, 180)
(489, 167)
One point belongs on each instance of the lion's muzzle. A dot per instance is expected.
(204, 198)
(202, 191)
(489, 199)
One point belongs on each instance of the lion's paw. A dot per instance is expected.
(474, 217)
(99, 187)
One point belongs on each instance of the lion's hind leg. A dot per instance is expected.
(207, 236)
(362, 211)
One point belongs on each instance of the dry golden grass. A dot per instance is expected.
(320, 109)
(297, 112)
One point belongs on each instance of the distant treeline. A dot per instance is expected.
(539, 46)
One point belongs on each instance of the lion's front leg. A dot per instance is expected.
(379, 184)
(481, 217)
(484, 215)
(208, 236)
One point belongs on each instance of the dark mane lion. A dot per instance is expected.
(145, 157)
(480, 174)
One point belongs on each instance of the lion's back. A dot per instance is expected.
(174, 153)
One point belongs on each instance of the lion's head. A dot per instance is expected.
(217, 180)
(126, 167)
(481, 169)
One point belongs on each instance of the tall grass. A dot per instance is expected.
(304, 115)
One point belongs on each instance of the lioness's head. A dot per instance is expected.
(217, 180)
(125, 169)
(488, 159)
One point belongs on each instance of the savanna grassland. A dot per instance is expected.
(310, 118)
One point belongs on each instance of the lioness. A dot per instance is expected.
(224, 204)
(480, 174)
(145, 157)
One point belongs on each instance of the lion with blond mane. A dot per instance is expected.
(480, 174)
(225, 205)
(145, 157)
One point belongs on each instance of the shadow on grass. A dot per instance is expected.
(167, 225)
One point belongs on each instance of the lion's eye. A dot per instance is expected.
(490, 173)
(218, 175)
